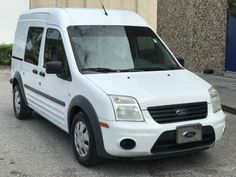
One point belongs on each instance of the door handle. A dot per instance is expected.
(41, 73)
(35, 71)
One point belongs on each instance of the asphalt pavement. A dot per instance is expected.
(36, 148)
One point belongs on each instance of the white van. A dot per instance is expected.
(112, 84)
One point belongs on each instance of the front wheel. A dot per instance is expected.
(22, 111)
(83, 142)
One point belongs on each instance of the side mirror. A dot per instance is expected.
(54, 67)
(181, 61)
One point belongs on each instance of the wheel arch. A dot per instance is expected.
(81, 103)
(18, 80)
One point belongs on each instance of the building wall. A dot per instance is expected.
(146, 8)
(9, 14)
(196, 31)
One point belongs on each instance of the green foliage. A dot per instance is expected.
(232, 7)
(5, 54)
(231, 2)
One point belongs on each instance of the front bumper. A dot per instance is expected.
(145, 134)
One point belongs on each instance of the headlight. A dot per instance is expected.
(215, 99)
(126, 109)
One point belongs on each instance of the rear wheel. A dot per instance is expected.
(83, 141)
(22, 111)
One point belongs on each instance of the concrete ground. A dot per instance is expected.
(36, 148)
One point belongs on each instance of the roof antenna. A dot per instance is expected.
(104, 8)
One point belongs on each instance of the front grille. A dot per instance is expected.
(166, 143)
(179, 112)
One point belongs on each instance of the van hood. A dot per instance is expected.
(154, 88)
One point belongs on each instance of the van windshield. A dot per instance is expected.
(105, 49)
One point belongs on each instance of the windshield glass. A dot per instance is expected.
(119, 49)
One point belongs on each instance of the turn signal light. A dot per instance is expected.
(103, 124)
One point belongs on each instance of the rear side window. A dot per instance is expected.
(33, 43)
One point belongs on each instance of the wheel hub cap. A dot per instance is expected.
(81, 138)
(17, 101)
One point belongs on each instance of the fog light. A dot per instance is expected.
(127, 144)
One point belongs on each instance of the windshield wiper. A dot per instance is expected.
(102, 70)
(108, 70)
(130, 70)
(173, 67)
(159, 68)
(153, 69)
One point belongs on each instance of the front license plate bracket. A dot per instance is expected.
(188, 133)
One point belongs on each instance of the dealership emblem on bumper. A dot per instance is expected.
(181, 112)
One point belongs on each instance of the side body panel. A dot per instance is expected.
(54, 100)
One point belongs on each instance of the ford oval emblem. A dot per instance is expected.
(181, 112)
(189, 134)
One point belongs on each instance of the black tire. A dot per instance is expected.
(23, 111)
(90, 158)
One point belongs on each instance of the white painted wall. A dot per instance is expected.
(9, 13)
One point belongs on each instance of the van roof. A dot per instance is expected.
(64, 17)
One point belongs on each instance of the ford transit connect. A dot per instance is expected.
(112, 84)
